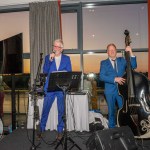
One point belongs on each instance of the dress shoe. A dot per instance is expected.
(59, 136)
(39, 136)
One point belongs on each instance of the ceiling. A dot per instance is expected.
(20, 2)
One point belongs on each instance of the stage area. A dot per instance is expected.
(21, 139)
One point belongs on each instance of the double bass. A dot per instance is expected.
(136, 99)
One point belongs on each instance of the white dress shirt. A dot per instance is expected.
(57, 60)
(112, 62)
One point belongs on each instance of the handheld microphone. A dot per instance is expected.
(53, 51)
(52, 55)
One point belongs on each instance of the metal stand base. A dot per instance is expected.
(64, 141)
(34, 147)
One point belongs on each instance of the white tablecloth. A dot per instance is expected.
(76, 113)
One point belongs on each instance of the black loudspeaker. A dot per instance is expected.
(120, 138)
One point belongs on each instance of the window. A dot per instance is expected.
(69, 30)
(75, 61)
(106, 24)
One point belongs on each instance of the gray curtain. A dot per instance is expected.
(44, 25)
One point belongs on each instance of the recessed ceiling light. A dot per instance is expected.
(90, 52)
(90, 5)
(93, 35)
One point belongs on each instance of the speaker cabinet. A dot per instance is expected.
(120, 138)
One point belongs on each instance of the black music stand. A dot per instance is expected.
(64, 81)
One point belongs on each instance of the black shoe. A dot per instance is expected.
(59, 136)
(39, 136)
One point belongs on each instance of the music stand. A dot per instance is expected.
(64, 81)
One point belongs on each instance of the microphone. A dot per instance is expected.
(52, 55)
(53, 51)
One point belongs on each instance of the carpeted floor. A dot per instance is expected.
(22, 139)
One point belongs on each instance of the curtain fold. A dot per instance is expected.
(148, 5)
(44, 26)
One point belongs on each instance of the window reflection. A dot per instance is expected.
(26, 65)
(75, 61)
(106, 24)
(92, 61)
(142, 61)
(69, 30)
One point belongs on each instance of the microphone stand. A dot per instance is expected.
(34, 94)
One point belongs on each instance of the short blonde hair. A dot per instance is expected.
(111, 44)
(59, 41)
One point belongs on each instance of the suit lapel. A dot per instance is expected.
(54, 65)
(118, 65)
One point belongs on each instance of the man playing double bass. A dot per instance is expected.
(111, 71)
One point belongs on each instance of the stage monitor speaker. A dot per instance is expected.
(120, 138)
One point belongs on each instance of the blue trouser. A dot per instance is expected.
(48, 101)
(112, 99)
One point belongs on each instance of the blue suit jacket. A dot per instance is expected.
(50, 66)
(108, 74)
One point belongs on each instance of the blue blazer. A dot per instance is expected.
(50, 66)
(108, 74)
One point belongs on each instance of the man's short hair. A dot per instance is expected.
(111, 44)
(59, 41)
